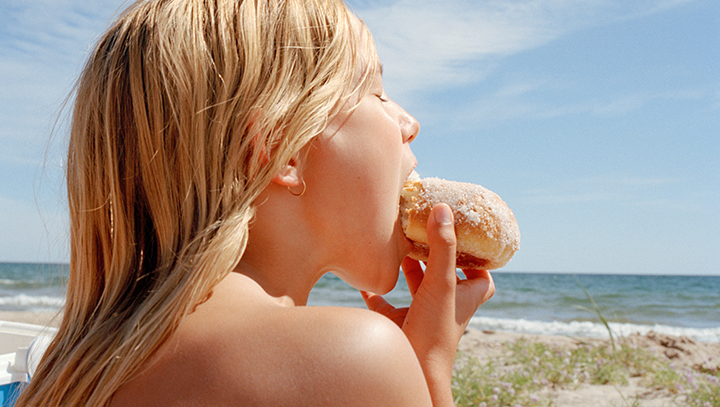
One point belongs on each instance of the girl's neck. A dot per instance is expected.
(280, 277)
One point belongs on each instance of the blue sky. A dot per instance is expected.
(598, 121)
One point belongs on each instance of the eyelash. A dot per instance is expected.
(382, 99)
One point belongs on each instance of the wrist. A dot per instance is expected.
(438, 375)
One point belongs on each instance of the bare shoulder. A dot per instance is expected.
(237, 351)
(334, 356)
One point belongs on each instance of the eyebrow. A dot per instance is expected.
(380, 67)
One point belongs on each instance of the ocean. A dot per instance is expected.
(555, 304)
(32, 287)
(532, 303)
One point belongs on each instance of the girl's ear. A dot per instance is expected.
(289, 175)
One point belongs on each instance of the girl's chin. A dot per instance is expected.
(384, 287)
(379, 280)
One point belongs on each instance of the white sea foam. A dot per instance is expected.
(31, 302)
(590, 329)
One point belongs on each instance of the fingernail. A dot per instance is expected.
(444, 215)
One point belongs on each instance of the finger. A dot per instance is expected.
(479, 286)
(442, 242)
(413, 274)
(376, 303)
(398, 316)
(474, 273)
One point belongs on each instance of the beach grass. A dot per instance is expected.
(524, 372)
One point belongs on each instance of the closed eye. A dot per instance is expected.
(382, 99)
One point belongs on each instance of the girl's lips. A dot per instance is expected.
(411, 176)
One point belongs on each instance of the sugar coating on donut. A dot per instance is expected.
(486, 230)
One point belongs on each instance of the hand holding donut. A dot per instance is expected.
(432, 211)
(442, 303)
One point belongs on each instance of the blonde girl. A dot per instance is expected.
(223, 156)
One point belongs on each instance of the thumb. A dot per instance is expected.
(442, 243)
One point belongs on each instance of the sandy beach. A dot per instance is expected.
(29, 317)
(682, 354)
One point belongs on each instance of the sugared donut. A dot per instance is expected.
(486, 230)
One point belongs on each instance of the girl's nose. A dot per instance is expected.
(408, 125)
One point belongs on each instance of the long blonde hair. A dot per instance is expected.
(184, 112)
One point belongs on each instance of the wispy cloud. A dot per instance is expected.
(427, 43)
(43, 46)
(545, 99)
(612, 188)
(43, 30)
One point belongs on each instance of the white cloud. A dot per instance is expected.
(427, 43)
